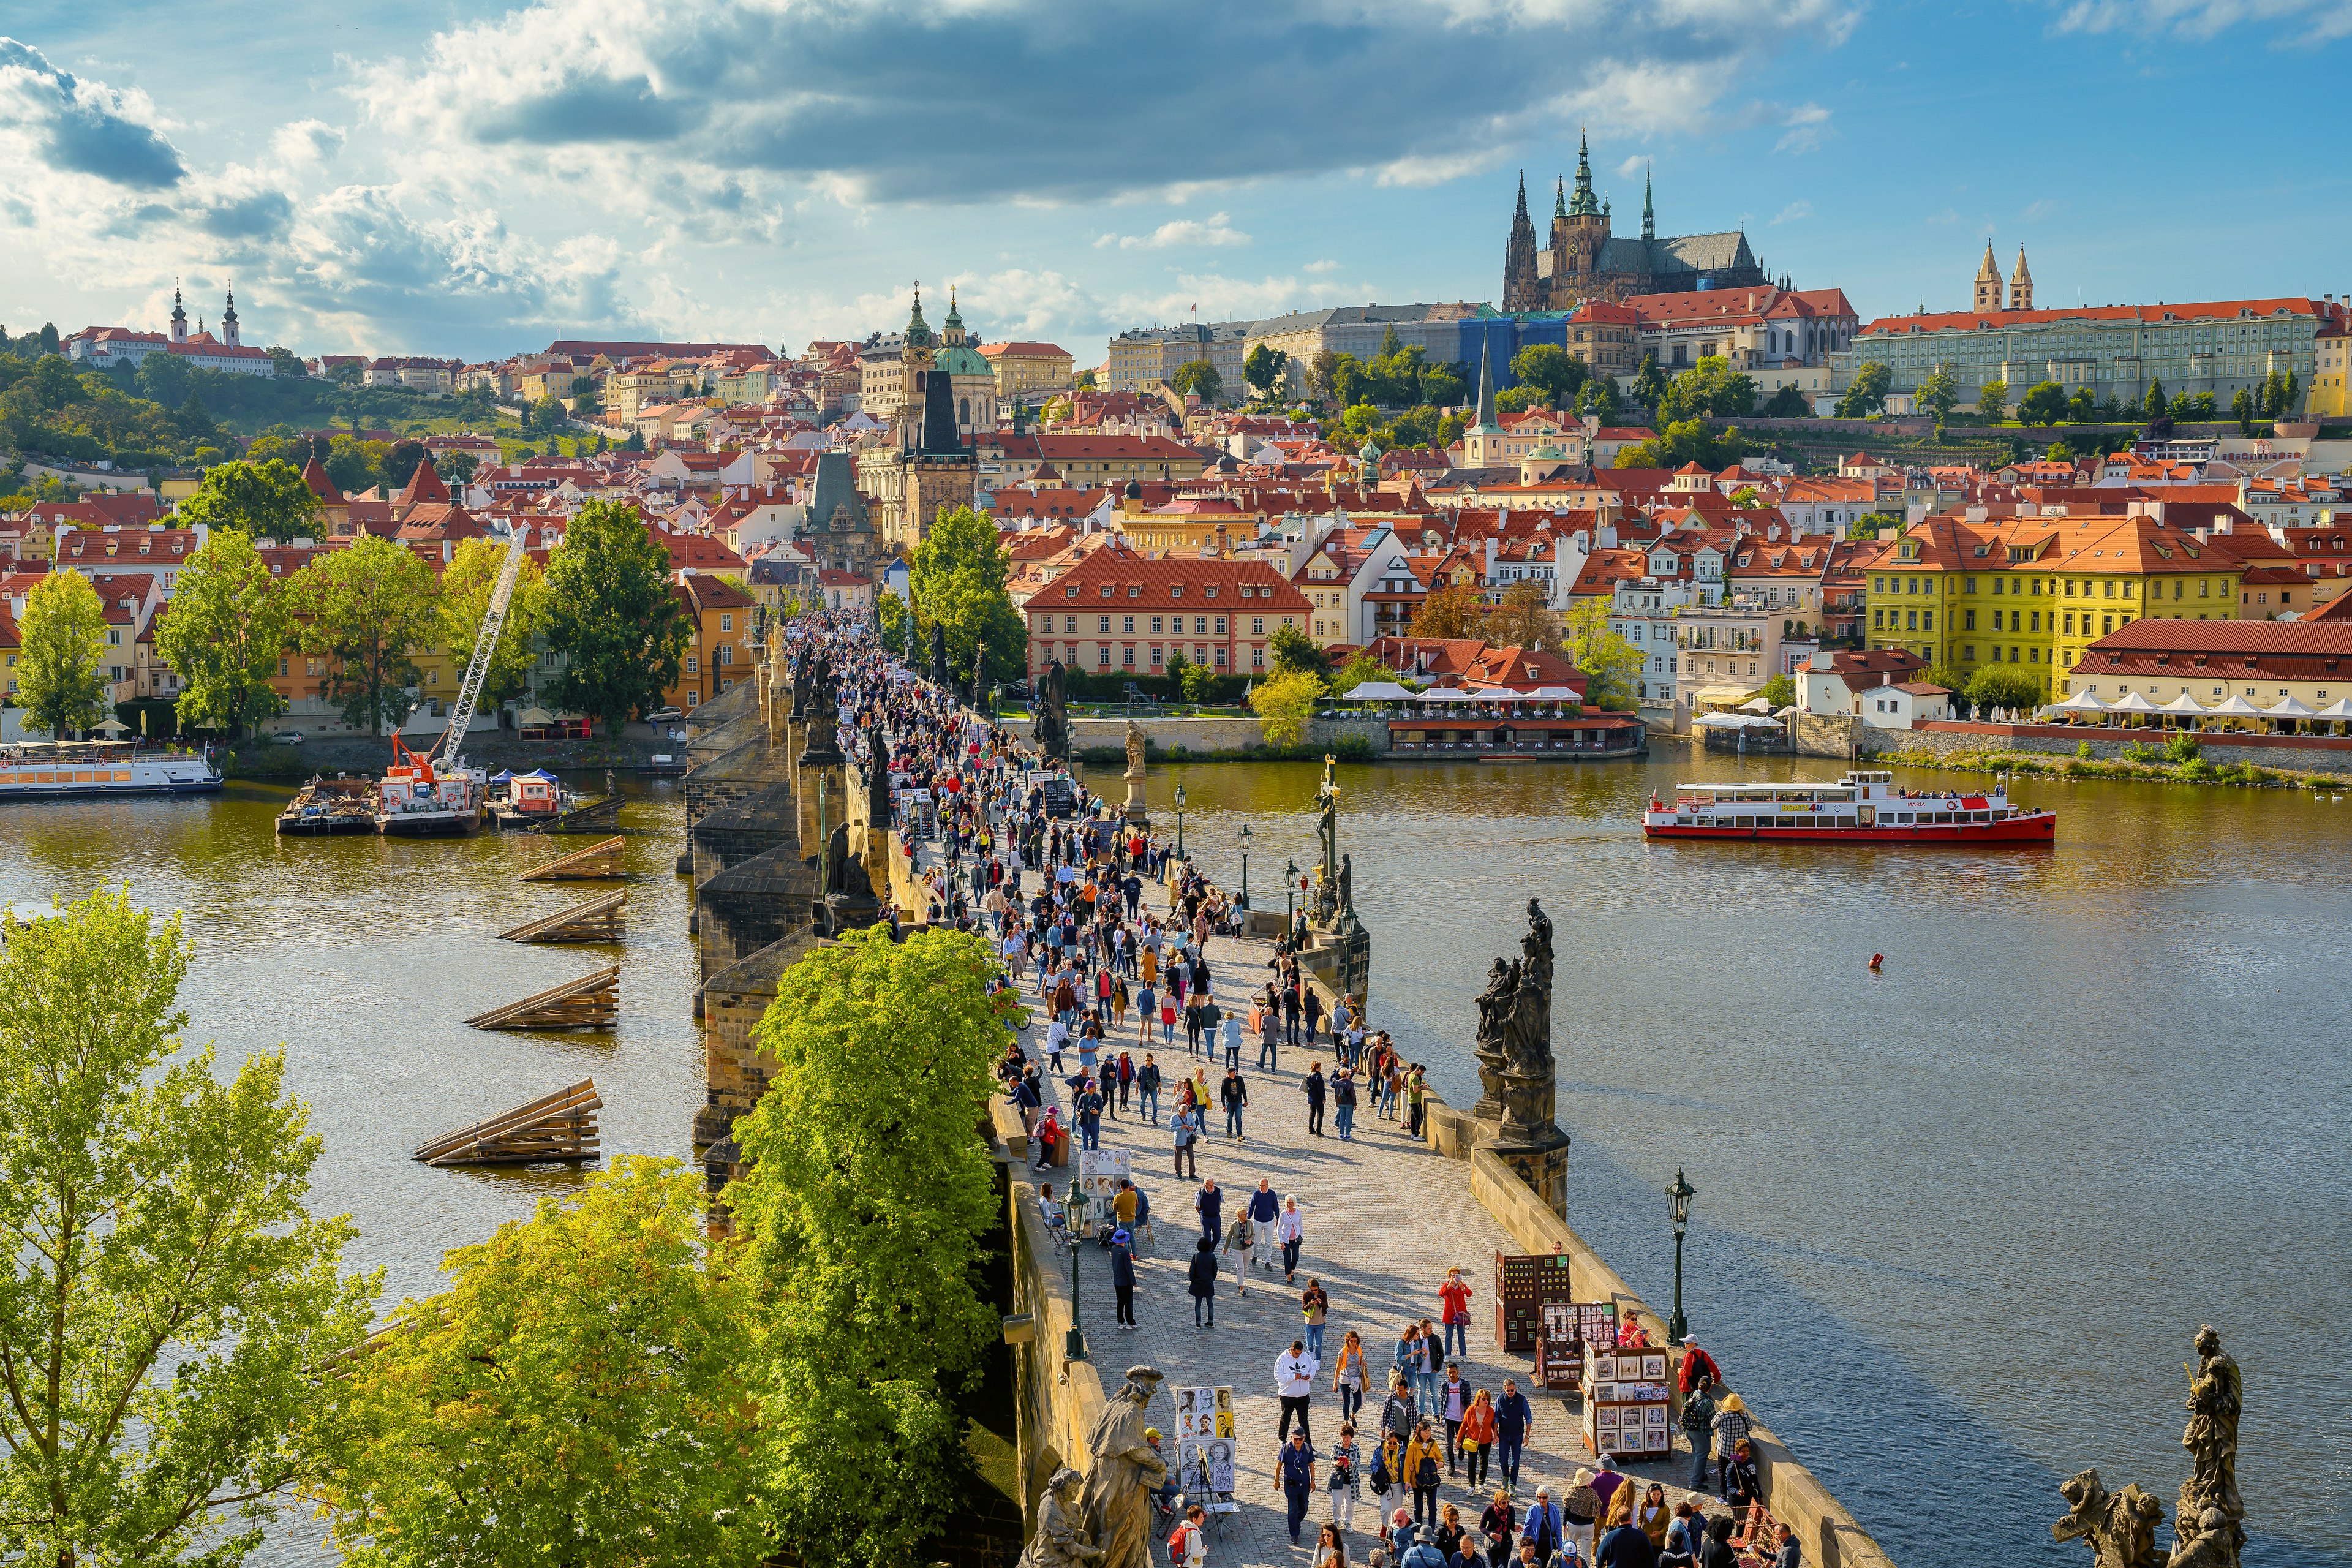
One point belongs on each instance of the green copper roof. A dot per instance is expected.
(960, 359)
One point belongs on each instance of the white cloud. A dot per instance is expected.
(1180, 233)
(1326, 265)
(2303, 22)
(1792, 213)
(1629, 167)
(1805, 126)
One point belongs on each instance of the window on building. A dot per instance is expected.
(1102, 654)
(1102, 623)
(726, 655)
(694, 664)
(1221, 659)
(725, 620)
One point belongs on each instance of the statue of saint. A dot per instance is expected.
(938, 655)
(1052, 729)
(1529, 1031)
(1061, 1540)
(1347, 887)
(1126, 1471)
(1135, 748)
(2120, 1526)
(2215, 1399)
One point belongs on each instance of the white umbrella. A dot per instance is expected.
(2235, 708)
(110, 726)
(2340, 710)
(2081, 703)
(2289, 708)
(1378, 691)
(1756, 705)
(532, 718)
(2133, 703)
(2184, 703)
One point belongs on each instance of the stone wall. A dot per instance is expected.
(1828, 734)
(1945, 738)
(1165, 733)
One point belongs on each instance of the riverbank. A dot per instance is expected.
(2149, 765)
(267, 764)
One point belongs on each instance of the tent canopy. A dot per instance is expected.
(532, 718)
(110, 725)
(2081, 703)
(2184, 703)
(2289, 708)
(1378, 691)
(2235, 708)
(2340, 710)
(2132, 703)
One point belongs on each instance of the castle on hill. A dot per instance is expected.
(1585, 262)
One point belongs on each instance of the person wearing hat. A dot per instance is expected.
(1697, 1368)
(1579, 1509)
(1605, 1482)
(1731, 1425)
(1122, 1275)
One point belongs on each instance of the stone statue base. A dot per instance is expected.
(1355, 958)
(1135, 811)
(1541, 1162)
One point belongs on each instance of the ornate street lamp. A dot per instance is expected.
(1289, 894)
(1180, 822)
(1245, 838)
(1679, 1195)
(1074, 1343)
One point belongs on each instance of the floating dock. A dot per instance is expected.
(555, 1128)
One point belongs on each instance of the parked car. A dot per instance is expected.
(664, 715)
(288, 737)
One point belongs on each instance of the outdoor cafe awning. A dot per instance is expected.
(2081, 703)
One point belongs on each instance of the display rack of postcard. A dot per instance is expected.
(1205, 1439)
(1100, 1170)
(1626, 1399)
(1566, 1329)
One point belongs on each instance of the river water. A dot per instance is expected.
(1955, 1223)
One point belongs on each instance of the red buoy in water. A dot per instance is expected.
(1876, 959)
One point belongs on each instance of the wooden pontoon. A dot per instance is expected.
(600, 919)
(591, 1001)
(559, 1127)
(598, 863)
(594, 817)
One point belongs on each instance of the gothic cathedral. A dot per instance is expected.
(1585, 262)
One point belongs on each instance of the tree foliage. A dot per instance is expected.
(1992, 401)
(229, 623)
(1293, 649)
(2004, 686)
(466, 584)
(61, 678)
(1865, 394)
(266, 501)
(2044, 403)
(368, 609)
(1551, 371)
(1787, 403)
(1264, 367)
(167, 1293)
(1699, 441)
(1710, 386)
(867, 1194)
(1285, 703)
(1939, 391)
(576, 1396)
(959, 576)
(1610, 663)
(1198, 377)
(1361, 666)
(1521, 617)
(1454, 611)
(1649, 382)
(610, 610)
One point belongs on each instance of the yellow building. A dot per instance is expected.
(1028, 367)
(2331, 364)
(2036, 590)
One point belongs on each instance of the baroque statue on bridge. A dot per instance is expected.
(1052, 729)
(1125, 1470)
(2209, 1528)
(2120, 1526)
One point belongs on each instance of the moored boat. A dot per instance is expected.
(59, 770)
(325, 806)
(418, 799)
(1860, 808)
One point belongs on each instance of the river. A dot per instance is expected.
(1955, 1223)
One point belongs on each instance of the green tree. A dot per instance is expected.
(867, 1194)
(1939, 391)
(367, 608)
(1780, 691)
(1787, 403)
(958, 574)
(1294, 650)
(457, 468)
(1264, 367)
(1200, 683)
(2241, 409)
(1550, 370)
(466, 586)
(1993, 402)
(229, 623)
(1519, 399)
(1865, 394)
(1521, 617)
(611, 611)
(1711, 386)
(1694, 440)
(167, 1296)
(1443, 385)
(548, 413)
(1284, 703)
(266, 501)
(2003, 686)
(2044, 403)
(1649, 382)
(1350, 382)
(1198, 377)
(61, 681)
(575, 1396)
(636, 441)
(1610, 663)
(1600, 398)
(1361, 666)
(2202, 407)
(2156, 404)
(1454, 611)
(2082, 408)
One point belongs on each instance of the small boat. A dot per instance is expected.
(326, 807)
(418, 799)
(1860, 808)
(525, 800)
(60, 770)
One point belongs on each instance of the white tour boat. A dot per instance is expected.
(74, 770)
(1860, 808)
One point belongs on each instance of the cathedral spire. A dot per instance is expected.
(1487, 419)
(1558, 197)
(1522, 215)
(1649, 213)
(178, 316)
(1584, 205)
(228, 318)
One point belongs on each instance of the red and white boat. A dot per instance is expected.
(1860, 808)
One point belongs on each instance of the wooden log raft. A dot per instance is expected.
(555, 1127)
(591, 1001)
(596, 816)
(600, 919)
(598, 863)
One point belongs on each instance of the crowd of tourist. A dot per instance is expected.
(1123, 984)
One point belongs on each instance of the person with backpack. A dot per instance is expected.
(1698, 1423)
(1424, 1468)
(1388, 1475)
(1188, 1545)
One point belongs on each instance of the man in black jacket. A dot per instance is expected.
(1313, 1089)
(1233, 1094)
(1202, 1273)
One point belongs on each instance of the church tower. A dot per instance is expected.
(1579, 228)
(179, 317)
(1522, 290)
(2021, 284)
(915, 357)
(1649, 213)
(228, 316)
(1988, 283)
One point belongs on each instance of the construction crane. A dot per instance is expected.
(470, 693)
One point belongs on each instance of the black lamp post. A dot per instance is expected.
(1679, 1195)
(1289, 894)
(1180, 822)
(1074, 1343)
(1245, 838)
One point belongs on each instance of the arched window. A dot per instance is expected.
(965, 418)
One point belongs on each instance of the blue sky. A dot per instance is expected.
(472, 179)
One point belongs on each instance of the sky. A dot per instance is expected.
(474, 179)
